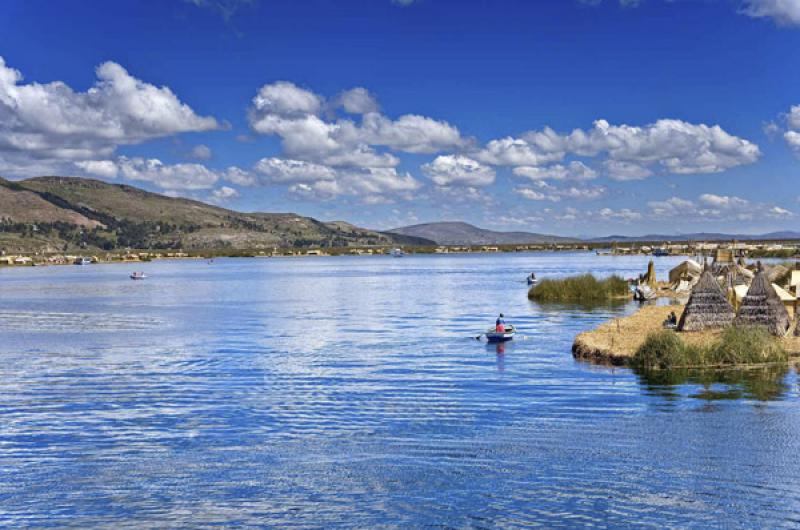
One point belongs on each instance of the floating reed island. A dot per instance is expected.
(583, 289)
(734, 315)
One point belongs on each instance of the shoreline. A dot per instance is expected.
(614, 342)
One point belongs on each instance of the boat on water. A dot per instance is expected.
(660, 252)
(532, 279)
(138, 276)
(397, 253)
(82, 261)
(492, 335)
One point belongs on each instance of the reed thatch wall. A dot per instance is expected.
(707, 308)
(763, 307)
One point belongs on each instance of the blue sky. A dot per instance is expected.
(567, 117)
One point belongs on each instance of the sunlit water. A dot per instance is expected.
(322, 392)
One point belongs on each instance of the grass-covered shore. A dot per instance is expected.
(585, 288)
(618, 341)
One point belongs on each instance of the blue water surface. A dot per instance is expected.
(351, 392)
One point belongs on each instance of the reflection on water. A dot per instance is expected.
(351, 392)
(763, 383)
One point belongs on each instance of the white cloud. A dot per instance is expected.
(449, 170)
(625, 171)
(511, 151)
(153, 170)
(624, 214)
(575, 170)
(555, 194)
(357, 101)
(779, 213)
(282, 170)
(723, 201)
(783, 12)
(52, 121)
(531, 195)
(201, 152)
(794, 117)
(370, 185)
(677, 146)
(295, 115)
(224, 194)
(100, 168)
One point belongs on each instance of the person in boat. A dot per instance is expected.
(533, 276)
(500, 325)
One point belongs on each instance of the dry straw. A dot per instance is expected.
(763, 307)
(707, 308)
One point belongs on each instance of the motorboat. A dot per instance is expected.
(82, 261)
(138, 276)
(492, 335)
(397, 253)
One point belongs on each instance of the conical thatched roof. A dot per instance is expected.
(763, 307)
(707, 308)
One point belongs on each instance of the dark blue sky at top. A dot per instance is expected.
(491, 68)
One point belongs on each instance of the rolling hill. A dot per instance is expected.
(59, 213)
(458, 233)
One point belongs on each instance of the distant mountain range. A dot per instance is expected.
(701, 236)
(457, 233)
(68, 213)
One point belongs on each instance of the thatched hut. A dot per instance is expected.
(707, 308)
(763, 307)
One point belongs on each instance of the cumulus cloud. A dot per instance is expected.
(783, 12)
(575, 170)
(676, 146)
(370, 185)
(723, 201)
(223, 194)
(625, 214)
(548, 192)
(51, 121)
(625, 171)
(709, 206)
(153, 170)
(357, 101)
(449, 170)
(792, 134)
(201, 152)
(282, 170)
(296, 116)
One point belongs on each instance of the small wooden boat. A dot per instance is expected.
(495, 336)
(138, 276)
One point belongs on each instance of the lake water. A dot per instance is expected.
(351, 392)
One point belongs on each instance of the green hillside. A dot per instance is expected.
(60, 213)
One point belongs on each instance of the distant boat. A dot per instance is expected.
(492, 335)
(82, 261)
(397, 253)
(660, 252)
(532, 279)
(138, 276)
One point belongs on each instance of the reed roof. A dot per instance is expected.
(763, 307)
(707, 308)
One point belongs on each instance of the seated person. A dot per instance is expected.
(500, 325)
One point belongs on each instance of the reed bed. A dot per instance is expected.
(582, 289)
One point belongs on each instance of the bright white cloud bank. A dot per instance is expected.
(53, 121)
